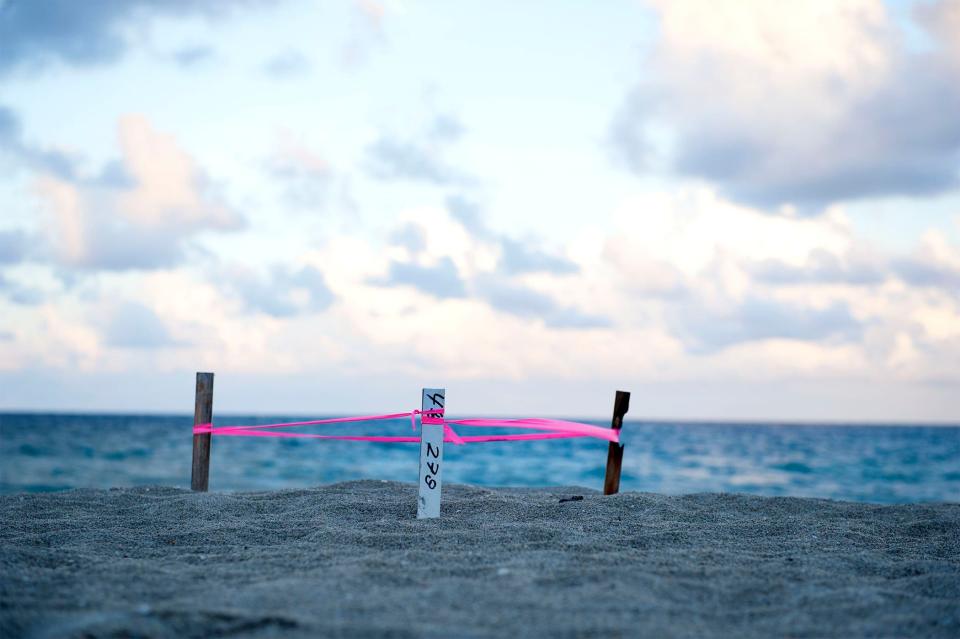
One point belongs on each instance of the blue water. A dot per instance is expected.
(863, 463)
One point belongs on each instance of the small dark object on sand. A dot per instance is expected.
(574, 498)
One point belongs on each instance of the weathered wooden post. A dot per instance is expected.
(202, 414)
(611, 484)
(431, 452)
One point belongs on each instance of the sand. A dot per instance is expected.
(350, 560)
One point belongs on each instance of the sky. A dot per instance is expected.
(733, 209)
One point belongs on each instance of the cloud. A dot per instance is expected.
(942, 21)
(714, 274)
(440, 280)
(685, 231)
(366, 32)
(929, 273)
(705, 330)
(114, 175)
(192, 56)
(934, 265)
(808, 105)
(13, 246)
(417, 159)
(283, 292)
(643, 274)
(393, 159)
(132, 325)
(52, 162)
(20, 294)
(446, 128)
(140, 223)
(469, 214)
(308, 180)
(525, 302)
(13, 144)
(452, 254)
(520, 257)
(287, 64)
(35, 33)
(823, 267)
(516, 257)
(411, 237)
(473, 262)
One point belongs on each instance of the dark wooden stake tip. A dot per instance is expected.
(611, 482)
(621, 404)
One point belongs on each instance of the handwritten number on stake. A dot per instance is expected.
(433, 467)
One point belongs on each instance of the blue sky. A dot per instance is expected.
(732, 209)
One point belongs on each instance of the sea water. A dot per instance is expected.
(883, 464)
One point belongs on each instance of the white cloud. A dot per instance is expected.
(419, 157)
(142, 225)
(171, 191)
(942, 20)
(808, 103)
(688, 229)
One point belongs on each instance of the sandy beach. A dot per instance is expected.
(350, 560)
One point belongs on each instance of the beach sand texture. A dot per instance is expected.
(350, 560)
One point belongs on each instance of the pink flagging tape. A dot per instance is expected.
(557, 425)
(209, 428)
(552, 429)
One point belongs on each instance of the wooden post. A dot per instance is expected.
(431, 453)
(202, 414)
(611, 484)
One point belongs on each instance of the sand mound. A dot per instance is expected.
(350, 560)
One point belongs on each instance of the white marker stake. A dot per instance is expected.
(431, 454)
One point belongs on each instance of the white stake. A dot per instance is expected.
(431, 454)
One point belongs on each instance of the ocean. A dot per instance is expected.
(882, 464)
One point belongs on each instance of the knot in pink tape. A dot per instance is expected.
(432, 416)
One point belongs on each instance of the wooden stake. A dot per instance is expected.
(202, 414)
(611, 484)
(431, 455)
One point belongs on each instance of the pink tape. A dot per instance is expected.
(571, 429)
(554, 429)
(209, 428)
